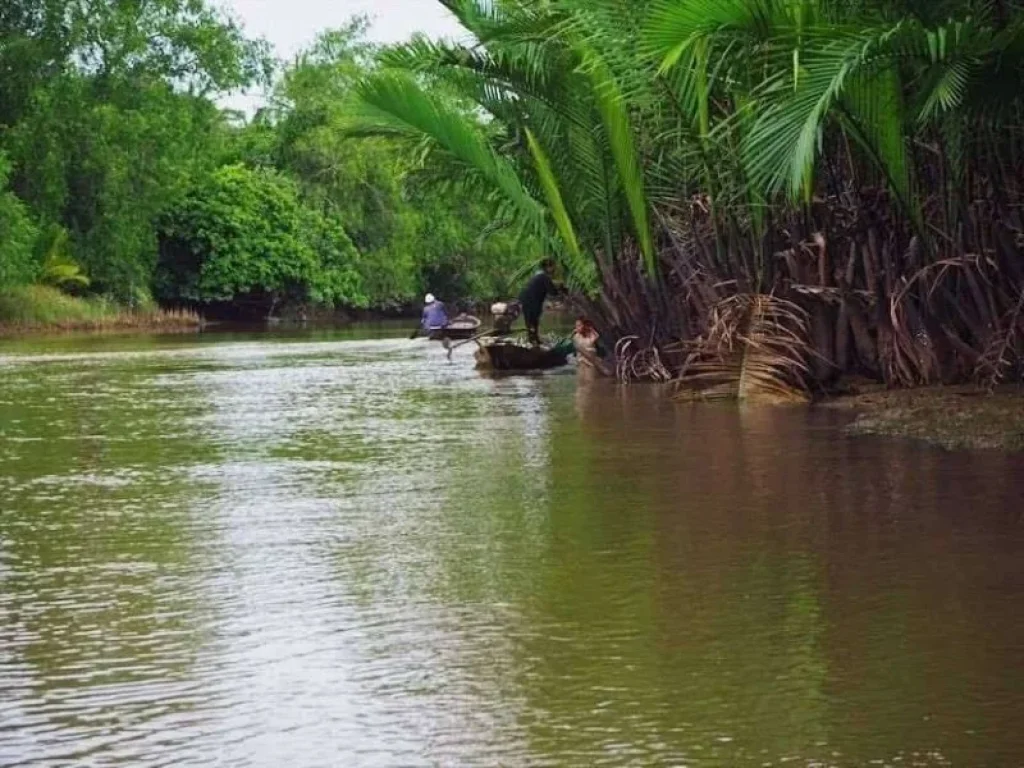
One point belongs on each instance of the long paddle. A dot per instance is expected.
(447, 343)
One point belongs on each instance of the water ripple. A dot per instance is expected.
(318, 554)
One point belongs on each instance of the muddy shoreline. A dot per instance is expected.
(951, 417)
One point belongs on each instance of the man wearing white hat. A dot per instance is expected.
(434, 315)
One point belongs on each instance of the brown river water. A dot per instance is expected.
(342, 550)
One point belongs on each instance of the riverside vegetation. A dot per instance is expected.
(755, 198)
(124, 186)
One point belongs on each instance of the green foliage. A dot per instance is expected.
(418, 223)
(105, 169)
(57, 267)
(243, 233)
(558, 144)
(733, 96)
(107, 119)
(17, 235)
(187, 43)
(112, 133)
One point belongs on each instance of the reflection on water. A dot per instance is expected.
(313, 551)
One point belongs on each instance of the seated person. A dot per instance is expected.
(434, 315)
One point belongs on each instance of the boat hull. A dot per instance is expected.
(463, 327)
(514, 357)
(438, 334)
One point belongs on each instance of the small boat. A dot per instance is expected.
(509, 356)
(462, 327)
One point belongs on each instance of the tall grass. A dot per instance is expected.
(40, 307)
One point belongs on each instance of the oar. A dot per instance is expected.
(447, 343)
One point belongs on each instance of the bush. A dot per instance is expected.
(243, 233)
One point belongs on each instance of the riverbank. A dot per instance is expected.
(37, 308)
(949, 417)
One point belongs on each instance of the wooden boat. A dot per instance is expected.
(509, 356)
(462, 327)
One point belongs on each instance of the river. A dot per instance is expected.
(343, 550)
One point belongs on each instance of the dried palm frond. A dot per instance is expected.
(907, 351)
(756, 350)
(635, 363)
(1001, 354)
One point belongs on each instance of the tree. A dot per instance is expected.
(415, 229)
(17, 235)
(242, 235)
(107, 116)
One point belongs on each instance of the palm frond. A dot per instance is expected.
(756, 350)
(581, 267)
(1002, 352)
(394, 104)
(623, 147)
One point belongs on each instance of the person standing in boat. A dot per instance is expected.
(434, 315)
(533, 296)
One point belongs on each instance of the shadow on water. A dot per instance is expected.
(323, 550)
